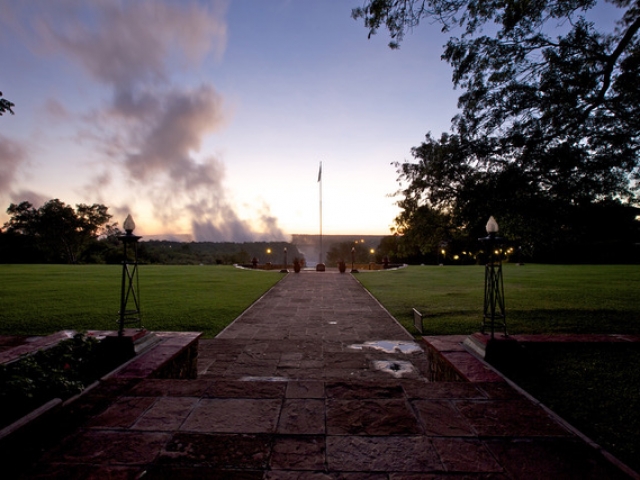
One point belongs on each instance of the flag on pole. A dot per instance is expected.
(320, 172)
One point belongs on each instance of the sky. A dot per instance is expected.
(210, 118)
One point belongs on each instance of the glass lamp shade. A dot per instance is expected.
(492, 225)
(129, 225)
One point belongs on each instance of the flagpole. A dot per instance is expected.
(320, 185)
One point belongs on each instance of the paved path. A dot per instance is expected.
(290, 390)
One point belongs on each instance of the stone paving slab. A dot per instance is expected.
(288, 392)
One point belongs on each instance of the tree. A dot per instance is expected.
(549, 121)
(342, 252)
(5, 105)
(56, 231)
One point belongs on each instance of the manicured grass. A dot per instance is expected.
(538, 298)
(41, 299)
(595, 387)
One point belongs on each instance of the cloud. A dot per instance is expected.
(12, 155)
(124, 44)
(151, 130)
(34, 198)
(56, 110)
(174, 132)
(228, 225)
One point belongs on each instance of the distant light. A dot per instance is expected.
(456, 257)
(372, 251)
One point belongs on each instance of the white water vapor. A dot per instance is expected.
(150, 129)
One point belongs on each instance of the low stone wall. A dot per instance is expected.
(31, 345)
(450, 361)
(440, 369)
(174, 356)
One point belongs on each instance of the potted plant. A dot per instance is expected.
(342, 266)
(296, 265)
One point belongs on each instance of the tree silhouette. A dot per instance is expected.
(5, 105)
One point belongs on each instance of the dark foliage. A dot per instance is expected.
(547, 137)
(61, 372)
(53, 233)
(5, 105)
(219, 253)
(362, 253)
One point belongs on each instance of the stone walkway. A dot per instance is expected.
(293, 390)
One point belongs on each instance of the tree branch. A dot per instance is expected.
(613, 59)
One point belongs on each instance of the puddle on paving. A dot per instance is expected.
(389, 346)
(397, 368)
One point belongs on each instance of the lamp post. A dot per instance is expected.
(494, 313)
(268, 259)
(285, 270)
(130, 288)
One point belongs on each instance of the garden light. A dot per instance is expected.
(130, 287)
(493, 285)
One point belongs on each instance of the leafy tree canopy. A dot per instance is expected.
(59, 231)
(342, 252)
(549, 115)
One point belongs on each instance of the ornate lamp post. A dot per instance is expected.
(494, 313)
(353, 260)
(130, 288)
(285, 270)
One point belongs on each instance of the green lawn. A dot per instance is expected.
(538, 298)
(41, 299)
(596, 388)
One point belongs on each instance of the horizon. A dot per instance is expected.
(168, 237)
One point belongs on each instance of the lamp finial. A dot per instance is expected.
(129, 225)
(492, 225)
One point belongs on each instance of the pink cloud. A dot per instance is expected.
(12, 155)
(170, 137)
(124, 44)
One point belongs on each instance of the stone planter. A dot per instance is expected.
(169, 355)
